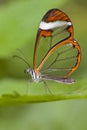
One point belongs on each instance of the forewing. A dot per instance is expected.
(54, 26)
(46, 43)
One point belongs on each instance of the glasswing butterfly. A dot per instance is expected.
(56, 54)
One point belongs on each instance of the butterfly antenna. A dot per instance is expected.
(24, 58)
(15, 56)
(22, 54)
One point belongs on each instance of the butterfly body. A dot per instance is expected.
(35, 76)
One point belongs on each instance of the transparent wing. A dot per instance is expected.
(46, 43)
(54, 26)
(56, 52)
(62, 62)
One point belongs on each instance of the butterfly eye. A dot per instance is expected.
(27, 70)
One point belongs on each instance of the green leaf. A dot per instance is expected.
(16, 91)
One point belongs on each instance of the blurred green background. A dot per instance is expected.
(19, 21)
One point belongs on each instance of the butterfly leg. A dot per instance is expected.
(28, 83)
(46, 87)
(27, 87)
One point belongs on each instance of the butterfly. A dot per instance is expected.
(56, 54)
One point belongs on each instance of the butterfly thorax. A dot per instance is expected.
(35, 77)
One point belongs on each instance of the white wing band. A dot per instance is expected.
(53, 25)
